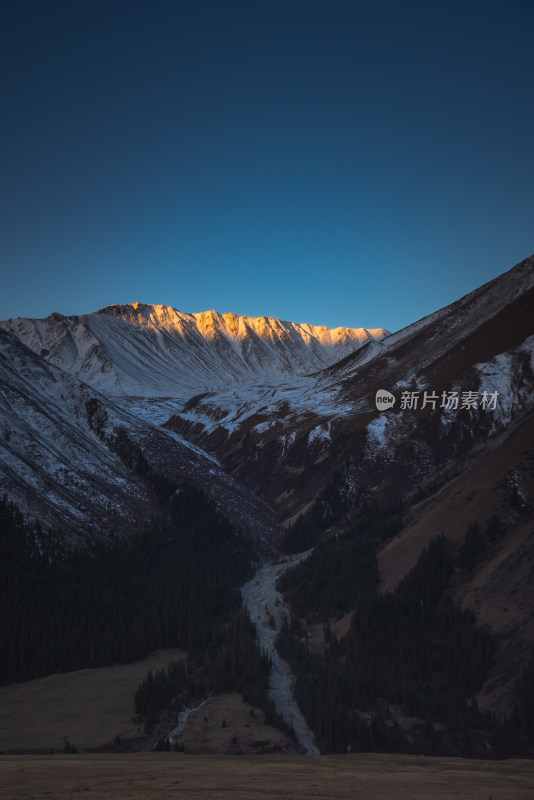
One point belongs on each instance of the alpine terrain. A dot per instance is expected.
(359, 570)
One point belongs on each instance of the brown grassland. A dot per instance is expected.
(147, 776)
(89, 707)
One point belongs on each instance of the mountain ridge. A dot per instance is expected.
(145, 350)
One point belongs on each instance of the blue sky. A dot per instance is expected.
(338, 162)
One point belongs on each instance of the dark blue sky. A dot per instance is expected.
(337, 162)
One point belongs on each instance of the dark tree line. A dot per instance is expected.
(331, 580)
(340, 570)
(412, 648)
(337, 501)
(168, 586)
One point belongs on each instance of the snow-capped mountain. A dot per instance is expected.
(156, 351)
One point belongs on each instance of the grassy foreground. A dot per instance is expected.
(143, 776)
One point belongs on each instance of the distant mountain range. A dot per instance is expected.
(153, 351)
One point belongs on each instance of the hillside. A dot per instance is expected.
(497, 495)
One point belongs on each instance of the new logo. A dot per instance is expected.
(384, 400)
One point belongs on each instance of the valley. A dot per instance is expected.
(106, 417)
(267, 400)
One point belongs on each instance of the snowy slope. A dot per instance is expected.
(67, 454)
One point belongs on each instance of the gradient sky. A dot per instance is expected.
(334, 162)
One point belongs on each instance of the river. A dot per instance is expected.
(260, 598)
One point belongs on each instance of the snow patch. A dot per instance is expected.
(376, 431)
(320, 433)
